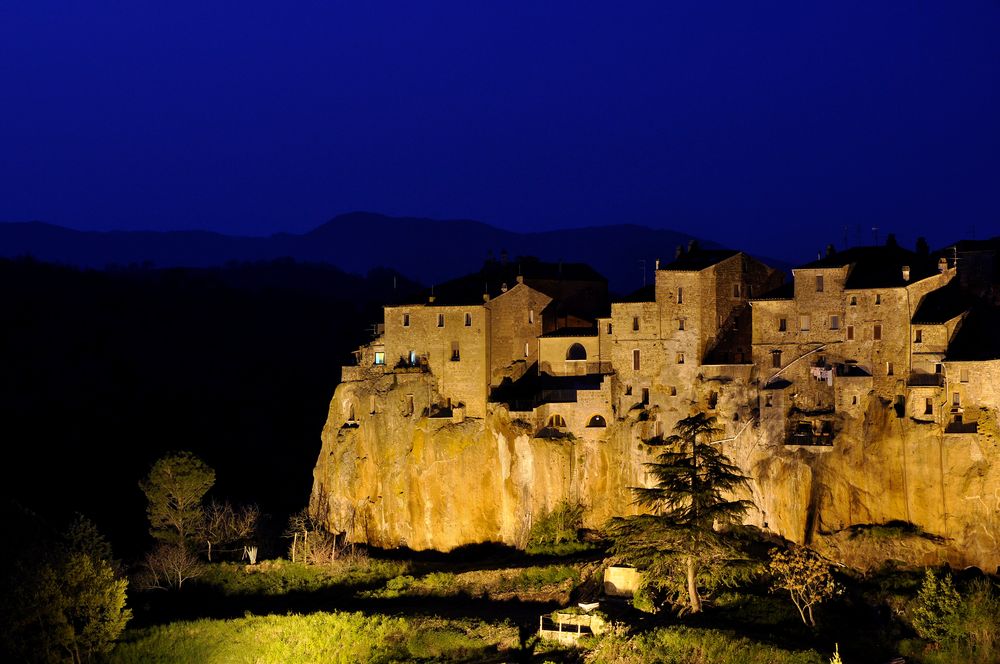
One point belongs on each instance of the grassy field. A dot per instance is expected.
(487, 610)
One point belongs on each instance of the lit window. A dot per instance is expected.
(819, 283)
(440, 320)
(877, 333)
(531, 316)
(527, 350)
(379, 357)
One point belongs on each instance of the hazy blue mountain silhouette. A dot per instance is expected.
(427, 250)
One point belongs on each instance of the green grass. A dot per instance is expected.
(320, 637)
(278, 577)
(490, 582)
(685, 645)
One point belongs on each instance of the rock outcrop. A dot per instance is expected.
(396, 477)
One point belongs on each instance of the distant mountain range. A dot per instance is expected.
(427, 250)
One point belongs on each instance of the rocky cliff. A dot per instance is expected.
(399, 477)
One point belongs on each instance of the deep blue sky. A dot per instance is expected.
(765, 126)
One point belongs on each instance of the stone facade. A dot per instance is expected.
(844, 395)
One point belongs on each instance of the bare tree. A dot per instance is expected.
(228, 527)
(169, 566)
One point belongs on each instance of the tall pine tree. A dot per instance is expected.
(689, 509)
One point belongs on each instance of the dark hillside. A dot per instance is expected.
(102, 372)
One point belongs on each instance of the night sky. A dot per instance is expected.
(719, 119)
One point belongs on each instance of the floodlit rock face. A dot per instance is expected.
(393, 475)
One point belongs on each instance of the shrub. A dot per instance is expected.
(806, 577)
(935, 613)
(560, 525)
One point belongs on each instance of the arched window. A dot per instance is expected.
(557, 422)
(576, 352)
(597, 421)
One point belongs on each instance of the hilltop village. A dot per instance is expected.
(864, 390)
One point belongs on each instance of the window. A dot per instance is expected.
(455, 355)
(406, 320)
(531, 316)
(834, 322)
(767, 401)
(804, 322)
(680, 358)
(635, 359)
(409, 404)
(878, 298)
(645, 395)
(635, 323)
(737, 291)
(372, 403)
(672, 391)
(628, 390)
(379, 357)
(819, 283)
(468, 320)
(877, 333)
(776, 359)
(527, 349)
(680, 323)
(928, 406)
(938, 368)
(609, 328)
(854, 400)
(596, 421)
(440, 320)
(854, 300)
(850, 333)
(964, 375)
(413, 358)
(557, 422)
(918, 336)
(576, 352)
(888, 368)
(956, 400)
(782, 325)
(713, 400)
(680, 295)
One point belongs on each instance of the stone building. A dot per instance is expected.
(850, 395)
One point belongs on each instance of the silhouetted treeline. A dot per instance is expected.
(101, 372)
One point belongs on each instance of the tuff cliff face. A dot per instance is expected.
(399, 477)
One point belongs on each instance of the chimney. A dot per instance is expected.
(657, 263)
(430, 299)
(830, 250)
(503, 287)
(906, 273)
(520, 278)
(942, 264)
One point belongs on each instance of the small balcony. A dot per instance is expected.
(807, 433)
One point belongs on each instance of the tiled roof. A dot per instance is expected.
(943, 304)
(878, 267)
(699, 259)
